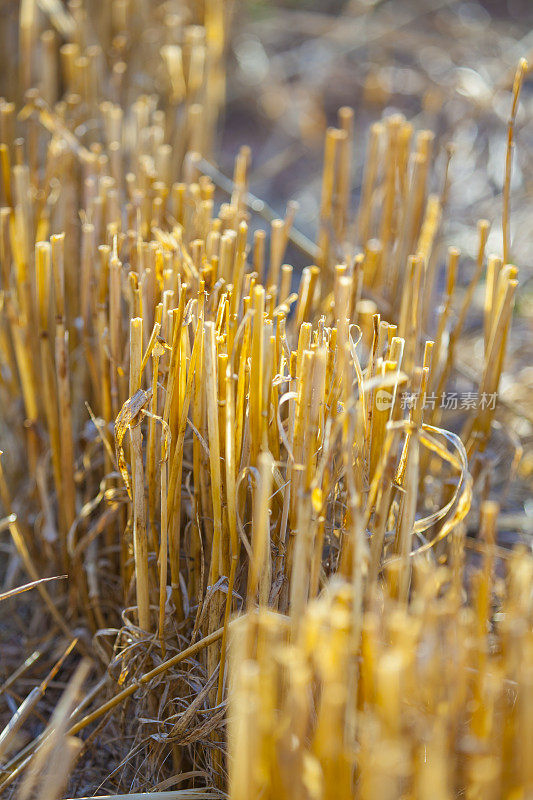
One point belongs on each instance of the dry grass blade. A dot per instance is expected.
(27, 586)
(179, 794)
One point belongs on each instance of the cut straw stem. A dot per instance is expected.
(139, 511)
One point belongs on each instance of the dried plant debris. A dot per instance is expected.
(270, 495)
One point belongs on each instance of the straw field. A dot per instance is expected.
(255, 539)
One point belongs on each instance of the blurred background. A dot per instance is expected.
(447, 65)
